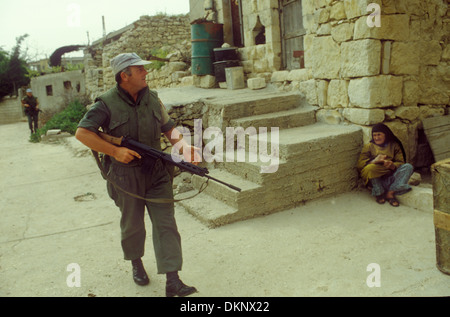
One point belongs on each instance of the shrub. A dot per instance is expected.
(66, 120)
(161, 53)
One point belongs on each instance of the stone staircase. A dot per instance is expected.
(315, 160)
(10, 110)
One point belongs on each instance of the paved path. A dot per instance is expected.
(57, 218)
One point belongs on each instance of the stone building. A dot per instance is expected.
(143, 36)
(53, 90)
(360, 61)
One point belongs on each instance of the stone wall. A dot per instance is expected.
(170, 33)
(260, 60)
(398, 73)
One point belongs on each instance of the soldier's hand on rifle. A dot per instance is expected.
(125, 155)
(192, 154)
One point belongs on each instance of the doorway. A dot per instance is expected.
(236, 21)
(292, 33)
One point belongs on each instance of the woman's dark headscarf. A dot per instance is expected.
(390, 137)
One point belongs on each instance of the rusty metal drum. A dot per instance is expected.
(205, 37)
(441, 201)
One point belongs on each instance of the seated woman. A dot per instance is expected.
(382, 166)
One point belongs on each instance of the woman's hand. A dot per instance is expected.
(380, 159)
(390, 165)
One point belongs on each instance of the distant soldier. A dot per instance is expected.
(31, 105)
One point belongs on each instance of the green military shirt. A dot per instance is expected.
(118, 114)
(32, 101)
(99, 115)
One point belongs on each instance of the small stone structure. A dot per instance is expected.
(53, 90)
(149, 33)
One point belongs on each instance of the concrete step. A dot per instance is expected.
(224, 193)
(241, 106)
(10, 111)
(218, 205)
(299, 116)
(297, 142)
(319, 160)
(299, 149)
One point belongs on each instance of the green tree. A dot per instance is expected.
(13, 70)
(5, 86)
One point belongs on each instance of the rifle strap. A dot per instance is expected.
(152, 200)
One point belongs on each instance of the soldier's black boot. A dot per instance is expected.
(175, 287)
(139, 275)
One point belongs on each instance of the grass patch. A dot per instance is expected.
(67, 120)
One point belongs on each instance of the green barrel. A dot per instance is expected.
(205, 38)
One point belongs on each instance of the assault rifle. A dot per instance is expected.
(148, 152)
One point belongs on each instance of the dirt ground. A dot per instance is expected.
(59, 227)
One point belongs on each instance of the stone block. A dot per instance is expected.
(328, 116)
(393, 27)
(420, 198)
(430, 53)
(360, 58)
(309, 53)
(311, 23)
(280, 76)
(235, 77)
(299, 74)
(411, 93)
(325, 49)
(187, 81)
(178, 75)
(386, 57)
(342, 32)
(364, 116)
(446, 54)
(429, 111)
(405, 58)
(308, 7)
(324, 29)
(256, 83)
(308, 88)
(323, 15)
(407, 113)
(357, 8)
(207, 81)
(177, 66)
(337, 96)
(337, 11)
(322, 91)
(376, 92)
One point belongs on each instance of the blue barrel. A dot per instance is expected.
(205, 36)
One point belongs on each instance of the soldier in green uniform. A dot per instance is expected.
(31, 105)
(132, 109)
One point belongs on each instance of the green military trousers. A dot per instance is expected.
(156, 184)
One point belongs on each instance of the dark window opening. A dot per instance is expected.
(49, 90)
(67, 85)
(259, 32)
